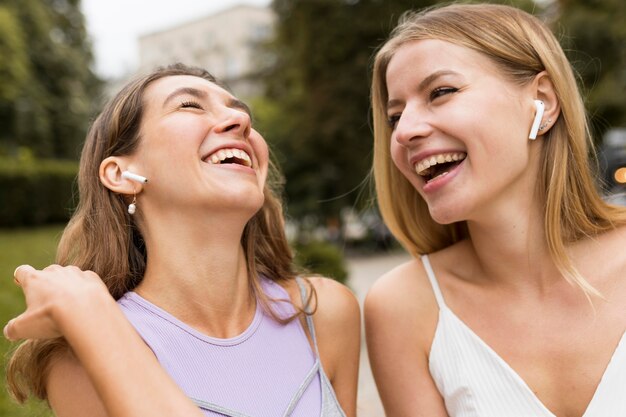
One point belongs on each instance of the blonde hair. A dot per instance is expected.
(101, 236)
(521, 46)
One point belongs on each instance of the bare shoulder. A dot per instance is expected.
(337, 318)
(337, 321)
(618, 245)
(404, 296)
(70, 391)
(616, 239)
(602, 255)
(337, 324)
(401, 316)
(334, 304)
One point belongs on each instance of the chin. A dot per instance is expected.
(446, 215)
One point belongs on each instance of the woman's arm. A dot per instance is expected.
(400, 319)
(127, 379)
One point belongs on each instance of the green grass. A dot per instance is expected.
(35, 247)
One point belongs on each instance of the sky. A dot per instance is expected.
(115, 26)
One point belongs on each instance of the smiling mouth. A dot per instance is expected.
(230, 156)
(436, 166)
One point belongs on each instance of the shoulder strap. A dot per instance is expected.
(309, 317)
(433, 281)
(204, 405)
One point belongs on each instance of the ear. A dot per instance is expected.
(111, 176)
(543, 90)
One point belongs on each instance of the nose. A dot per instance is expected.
(412, 125)
(236, 122)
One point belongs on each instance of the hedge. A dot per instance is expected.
(36, 192)
(321, 258)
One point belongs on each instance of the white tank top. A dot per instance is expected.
(475, 382)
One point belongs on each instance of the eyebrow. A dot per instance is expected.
(425, 83)
(240, 105)
(201, 94)
(185, 91)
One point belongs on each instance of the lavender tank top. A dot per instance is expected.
(269, 370)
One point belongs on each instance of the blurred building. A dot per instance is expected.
(227, 44)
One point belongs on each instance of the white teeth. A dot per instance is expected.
(421, 168)
(219, 156)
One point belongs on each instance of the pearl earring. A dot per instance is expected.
(132, 207)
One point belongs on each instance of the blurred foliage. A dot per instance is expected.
(47, 88)
(593, 33)
(35, 191)
(316, 110)
(37, 247)
(321, 258)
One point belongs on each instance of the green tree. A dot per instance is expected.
(47, 88)
(594, 37)
(14, 69)
(318, 93)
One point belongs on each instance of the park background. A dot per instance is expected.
(307, 81)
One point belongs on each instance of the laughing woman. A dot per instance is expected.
(182, 299)
(514, 304)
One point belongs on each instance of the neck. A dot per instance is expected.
(197, 271)
(510, 246)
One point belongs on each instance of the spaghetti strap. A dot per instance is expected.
(309, 318)
(433, 281)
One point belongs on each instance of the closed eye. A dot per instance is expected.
(392, 120)
(442, 91)
(191, 104)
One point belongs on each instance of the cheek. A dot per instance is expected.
(400, 159)
(398, 155)
(261, 152)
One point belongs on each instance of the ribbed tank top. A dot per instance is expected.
(476, 382)
(269, 370)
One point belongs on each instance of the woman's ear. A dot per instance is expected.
(111, 170)
(544, 91)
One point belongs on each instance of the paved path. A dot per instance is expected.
(363, 272)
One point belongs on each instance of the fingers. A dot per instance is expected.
(53, 295)
(31, 325)
(21, 273)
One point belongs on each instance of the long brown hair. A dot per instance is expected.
(102, 237)
(521, 46)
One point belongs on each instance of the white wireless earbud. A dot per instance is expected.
(134, 177)
(537, 122)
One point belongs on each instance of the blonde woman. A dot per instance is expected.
(177, 222)
(514, 303)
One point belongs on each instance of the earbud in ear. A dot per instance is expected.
(538, 116)
(134, 177)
